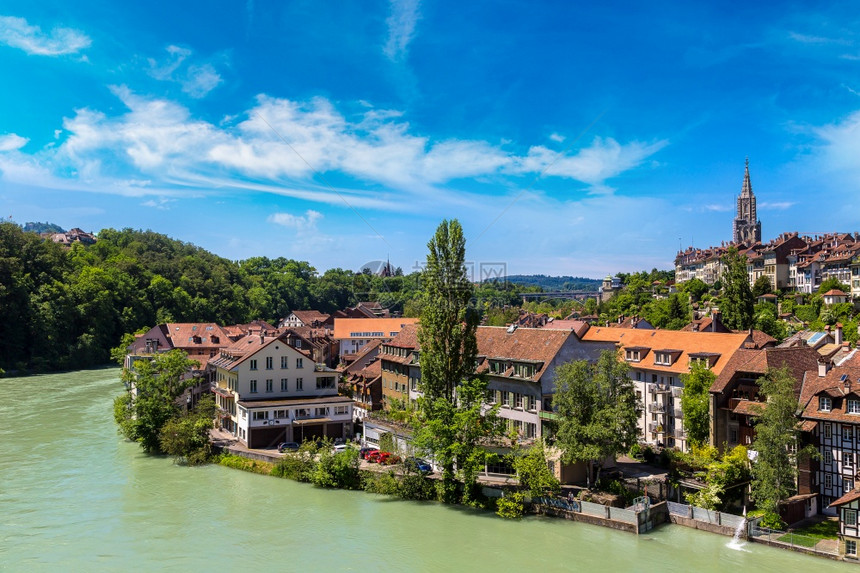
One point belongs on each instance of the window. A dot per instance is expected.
(518, 400)
(828, 456)
(284, 362)
(733, 436)
(532, 403)
(299, 363)
(261, 415)
(631, 355)
(325, 382)
(848, 458)
(298, 383)
(322, 412)
(341, 409)
(253, 386)
(849, 516)
(828, 431)
(253, 364)
(847, 485)
(281, 414)
(850, 547)
(269, 385)
(268, 362)
(506, 399)
(847, 432)
(828, 480)
(283, 384)
(853, 407)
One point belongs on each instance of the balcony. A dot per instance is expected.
(678, 413)
(676, 391)
(547, 415)
(656, 428)
(657, 408)
(681, 434)
(660, 388)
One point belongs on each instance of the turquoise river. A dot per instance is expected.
(75, 497)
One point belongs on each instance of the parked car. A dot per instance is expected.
(418, 465)
(390, 460)
(364, 452)
(373, 457)
(342, 447)
(287, 447)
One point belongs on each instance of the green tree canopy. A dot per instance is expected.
(597, 409)
(737, 298)
(694, 403)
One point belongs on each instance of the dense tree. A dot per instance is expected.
(762, 286)
(451, 423)
(831, 283)
(737, 300)
(694, 403)
(695, 287)
(597, 409)
(533, 472)
(150, 402)
(774, 468)
(186, 435)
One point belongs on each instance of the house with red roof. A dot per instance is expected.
(267, 392)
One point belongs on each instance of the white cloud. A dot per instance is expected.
(197, 80)
(718, 207)
(558, 138)
(401, 27)
(308, 222)
(17, 33)
(604, 159)
(12, 141)
(839, 144)
(288, 148)
(776, 206)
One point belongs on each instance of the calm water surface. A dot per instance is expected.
(75, 497)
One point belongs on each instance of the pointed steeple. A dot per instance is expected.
(746, 190)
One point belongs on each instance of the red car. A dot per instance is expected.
(373, 457)
(364, 452)
(390, 459)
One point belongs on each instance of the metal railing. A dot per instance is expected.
(792, 539)
(656, 427)
(657, 408)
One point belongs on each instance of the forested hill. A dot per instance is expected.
(64, 308)
(551, 284)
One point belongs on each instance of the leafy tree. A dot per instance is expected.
(762, 286)
(831, 283)
(737, 301)
(767, 321)
(695, 287)
(337, 469)
(774, 469)
(186, 436)
(694, 403)
(533, 472)
(151, 401)
(451, 422)
(597, 409)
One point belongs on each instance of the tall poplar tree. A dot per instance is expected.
(694, 403)
(737, 300)
(451, 423)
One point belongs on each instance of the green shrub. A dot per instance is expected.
(635, 452)
(300, 465)
(512, 506)
(772, 521)
(337, 470)
(417, 487)
(381, 483)
(244, 464)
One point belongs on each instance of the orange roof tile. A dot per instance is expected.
(345, 327)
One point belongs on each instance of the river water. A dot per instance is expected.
(75, 497)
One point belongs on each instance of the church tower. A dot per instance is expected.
(746, 227)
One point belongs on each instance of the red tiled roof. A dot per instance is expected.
(847, 498)
(799, 359)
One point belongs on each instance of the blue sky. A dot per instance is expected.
(568, 138)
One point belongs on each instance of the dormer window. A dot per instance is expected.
(852, 406)
(632, 355)
(665, 357)
(824, 404)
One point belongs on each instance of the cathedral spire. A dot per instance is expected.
(746, 227)
(746, 190)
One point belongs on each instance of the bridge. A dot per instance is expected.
(565, 294)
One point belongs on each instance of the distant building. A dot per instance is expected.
(354, 333)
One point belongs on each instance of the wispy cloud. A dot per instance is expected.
(12, 141)
(776, 205)
(718, 207)
(558, 138)
(18, 33)
(197, 80)
(289, 148)
(813, 39)
(401, 27)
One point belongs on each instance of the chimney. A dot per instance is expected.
(823, 367)
(838, 334)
